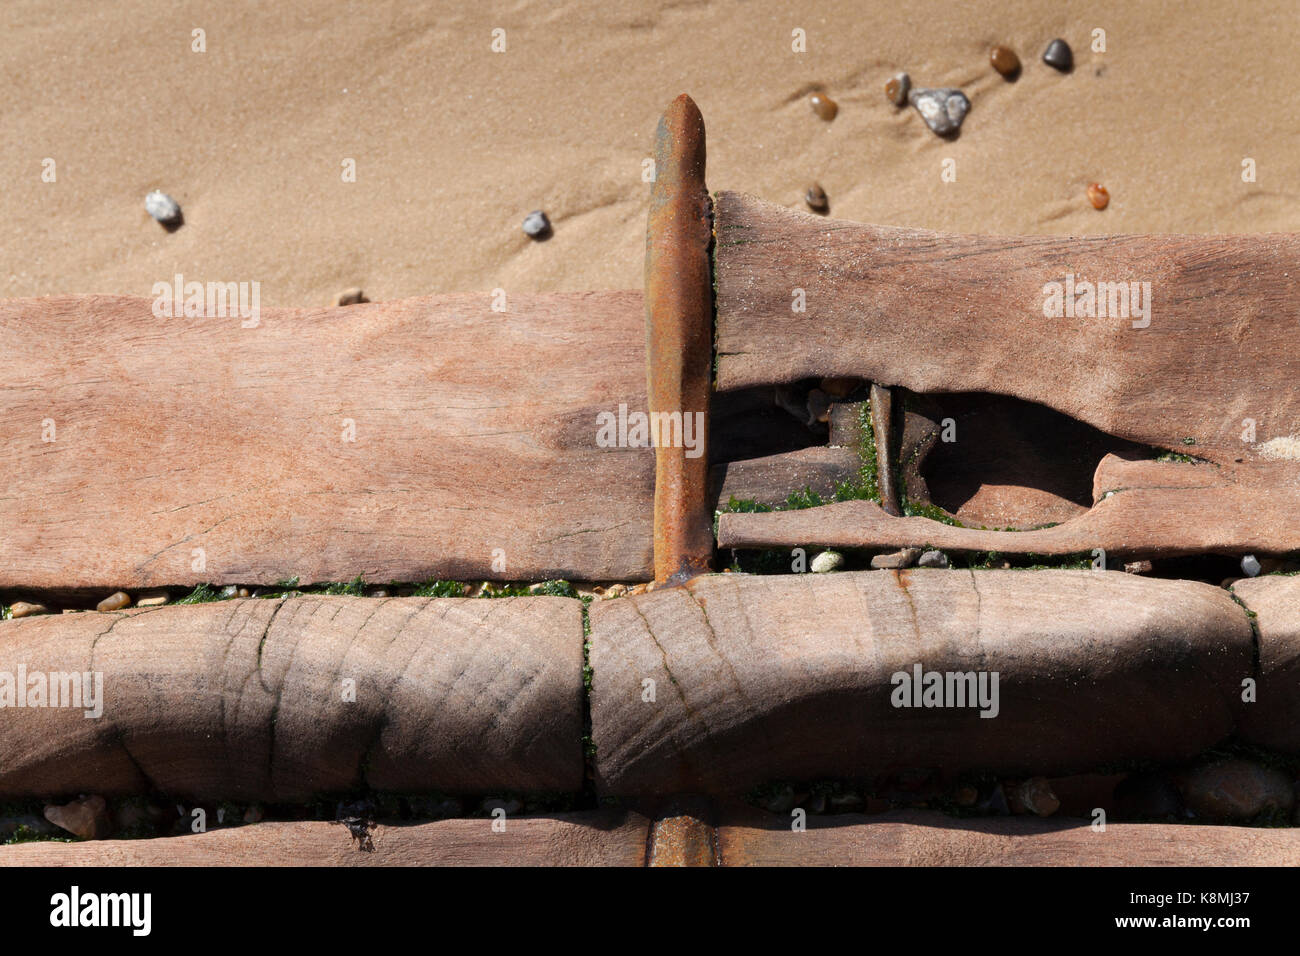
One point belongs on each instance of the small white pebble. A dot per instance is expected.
(827, 561)
(162, 207)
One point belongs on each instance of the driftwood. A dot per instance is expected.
(1143, 509)
(599, 838)
(1273, 720)
(1209, 370)
(770, 480)
(475, 452)
(943, 313)
(760, 678)
(248, 699)
(917, 838)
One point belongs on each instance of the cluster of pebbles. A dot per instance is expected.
(1213, 789)
(944, 108)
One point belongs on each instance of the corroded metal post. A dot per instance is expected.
(679, 341)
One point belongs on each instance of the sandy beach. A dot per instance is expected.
(454, 143)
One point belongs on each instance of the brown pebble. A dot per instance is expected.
(353, 296)
(114, 602)
(27, 609)
(1005, 61)
(823, 106)
(1098, 196)
(816, 199)
(897, 87)
(152, 599)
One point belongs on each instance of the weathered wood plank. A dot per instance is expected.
(475, 438)
(918, 838)
(247, 699)
(1179, 509)
(770, 480)
(592, 838)
(1272, 720)
(790, 677)
(943, 313)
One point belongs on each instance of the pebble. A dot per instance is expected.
(816, 199)
(536, 225)
(1005, 61)
(1058, 55)
(114, 602)
(616, 590)
(1235, 789)
(897, 87)
(966, 796)
(827, 561)
(162, 207)
(932, 559)
(819, 406)
(1098, 196)
(254, 814)
(377, 593)
(1138, 567)
(85, 817)
(823, 106)
(1037, 797)
(943, 109)
(152, 599)
(897, 560)
(27, 609)
(1250, 566)
(352, 296)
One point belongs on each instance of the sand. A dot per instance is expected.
(454, 144)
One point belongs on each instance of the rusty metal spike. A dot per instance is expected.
(679, 338)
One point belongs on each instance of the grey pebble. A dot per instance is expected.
(932, 559)
(1058, 55)
(943, 109)
(536, 225)
(162, 207)
(1250, 565)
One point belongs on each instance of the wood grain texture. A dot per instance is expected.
(1143, 509)
(1273, 720)
(918, 838)
(593, 838)
(244, 699)
(771, 479)
(475, 430)
(943, 313)
(789, 677)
